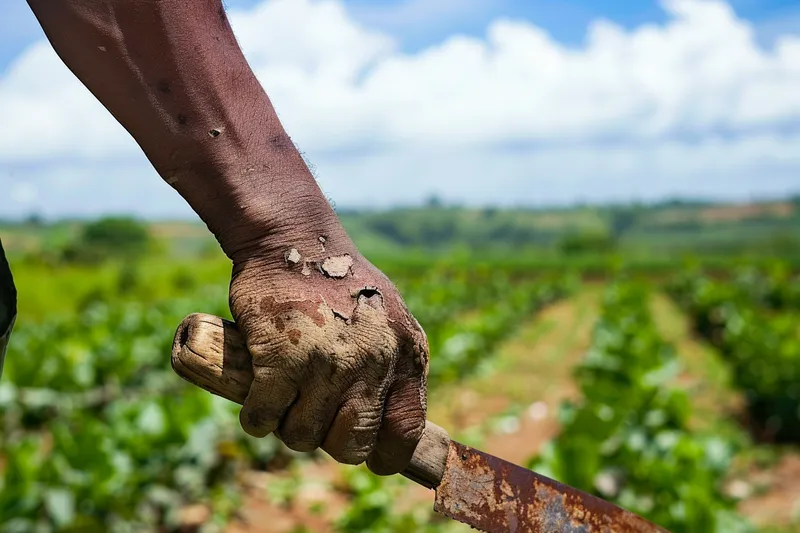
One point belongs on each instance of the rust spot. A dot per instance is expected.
(294, 336)
(494, 495)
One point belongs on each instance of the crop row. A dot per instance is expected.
(760, 343)
(774, 286)
(627, 438)
(99, 434)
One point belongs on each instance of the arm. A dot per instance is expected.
(171, 72)
(339, 362)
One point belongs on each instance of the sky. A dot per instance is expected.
(479, 102)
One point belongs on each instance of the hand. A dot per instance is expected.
(339, 362)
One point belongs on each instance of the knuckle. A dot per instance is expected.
(260, 416)
(350, 456)
(299, 441)
(407, 432)
(304, 435)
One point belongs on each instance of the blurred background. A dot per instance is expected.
(592, 208)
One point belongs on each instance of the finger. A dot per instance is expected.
(355, 427)
(401, 428)
(271, 394)
(308, 420)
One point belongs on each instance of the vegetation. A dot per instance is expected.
(755, 323)
(109, 238)
(628, 439)
(99, 434)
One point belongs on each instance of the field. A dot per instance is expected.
(660, 372)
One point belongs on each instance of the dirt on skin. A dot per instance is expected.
(533, 373)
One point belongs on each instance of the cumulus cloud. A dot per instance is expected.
(692, 106)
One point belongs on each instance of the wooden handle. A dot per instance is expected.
(209, 352)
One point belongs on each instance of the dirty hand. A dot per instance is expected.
(339, 362)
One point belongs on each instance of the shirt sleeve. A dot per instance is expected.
(8, 305)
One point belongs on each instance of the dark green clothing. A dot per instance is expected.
(8, 305)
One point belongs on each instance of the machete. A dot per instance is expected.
(471, 486)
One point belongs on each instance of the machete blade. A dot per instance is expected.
(495, 496)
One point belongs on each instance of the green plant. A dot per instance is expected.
(627, 439)
(754, 324)
(99, 434)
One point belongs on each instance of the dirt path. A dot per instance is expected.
(514, 408)
(770, 492)
(706, 376)
(509, 411)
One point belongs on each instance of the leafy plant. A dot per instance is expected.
(627, 439)
(752, 321)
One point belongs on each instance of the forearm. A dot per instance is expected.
(172, 74)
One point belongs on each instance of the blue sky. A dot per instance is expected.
(566, 20)
(604, 100)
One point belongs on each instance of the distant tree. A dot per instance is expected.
(586, 242)
(109, 238)
(35, 220)
(489, 212)
(434, 202)
(622, 220)
(389, 227)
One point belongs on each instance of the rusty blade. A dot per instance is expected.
(496, 496)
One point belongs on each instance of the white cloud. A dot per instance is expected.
(613, 116)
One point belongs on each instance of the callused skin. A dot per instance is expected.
(339, 362)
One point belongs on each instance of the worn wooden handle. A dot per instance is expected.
(209, 352)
